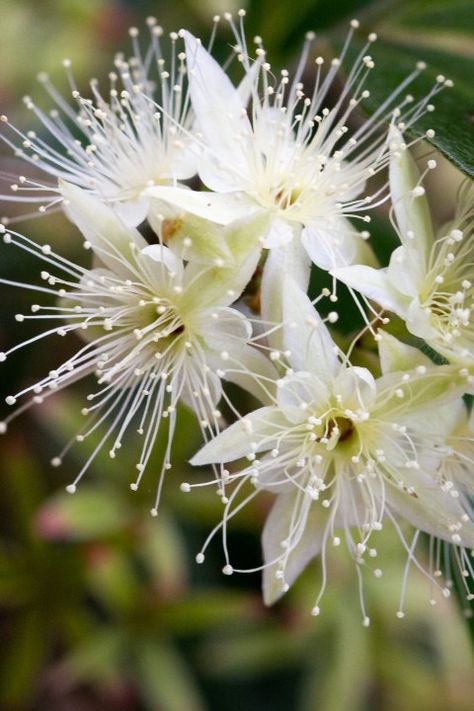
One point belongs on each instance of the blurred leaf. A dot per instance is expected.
(251, 652)
(22, 490)
(14, 577)
(343, 681)
(23, 653)
(164, 553)
(113, 580)
(98, 659)
(210, 608)
(284, 31)
(92, 512)
(441, 15)
(164, 680)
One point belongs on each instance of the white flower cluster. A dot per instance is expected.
(196, 283)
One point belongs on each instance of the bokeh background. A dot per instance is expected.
(103, 607)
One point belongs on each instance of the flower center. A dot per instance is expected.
(285, 198)
(342, 426)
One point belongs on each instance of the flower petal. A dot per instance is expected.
(252, 371)
(412, 211)
(291, 260)
(295, 521)
(374, 284)
(220, 208)
(432, 510)
(333, 242)
(396, 356)
(164, 256)
(220, 112)
(259, 427)
(279, 234)
(109, 237)
(299, 388)
(305, 334)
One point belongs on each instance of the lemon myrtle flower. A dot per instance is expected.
(157, 331)
(429, 282)
(113, 145)
(291, 154)
(344, 453)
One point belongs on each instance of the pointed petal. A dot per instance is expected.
(418, 322)
(405, 271)
(217, 286)
(356, 386)
(292, 260)
(132, 212)
(252, 371)
(396, 356)
(189, 236)
(219, 110)
(164, 255)
(299, 388)
(260, 427)
(248, 85)
(109, 237)
(279, 234)
(219, 208)
(412, 212)
(333, 242)
(435, 388)
(292, 519)
(432, 510)
(375, 285)
(305, 334)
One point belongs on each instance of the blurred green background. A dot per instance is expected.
(103, 607)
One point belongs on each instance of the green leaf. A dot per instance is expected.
(452, 119)
(440, 15)
(285, 30)
(22, 660)
(164, 680)
(90, 513)
(210, 608)
(97, 659)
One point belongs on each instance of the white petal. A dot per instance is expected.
(306, 541)
(332, 242)
(396, 356)
(298, 389)
(252, 371)
(217, 286)
(220, 113)
(305, 334)
(374, 284)
(164, 256)
(412, 213)
(261, 426)
(279, 234)
(218, 208)
(418, 322)
(132, 212)
(289, 260)
(437, 387)
(108, 235)
(356, 386)
(405, 271)
(223, 328)
(431, 510)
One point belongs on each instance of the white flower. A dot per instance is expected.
(343, 452)
(292, 156)
(158, 331)
(117, 145)
(430, 279)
